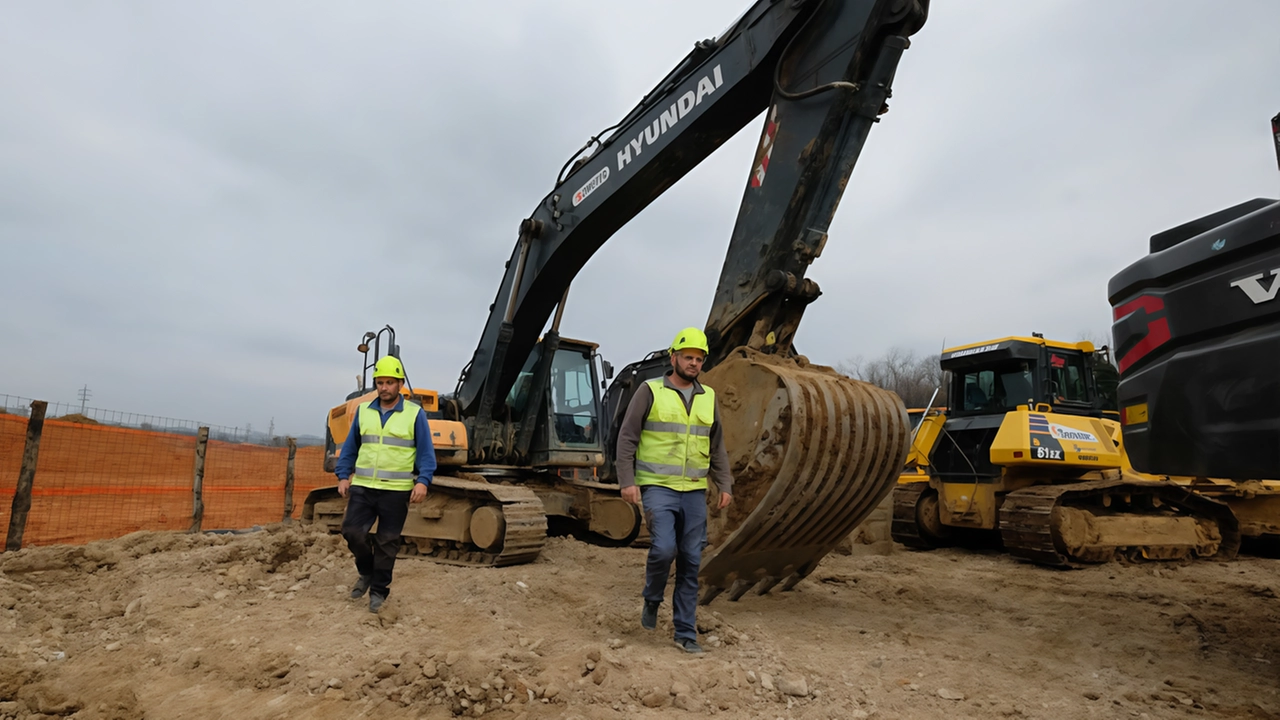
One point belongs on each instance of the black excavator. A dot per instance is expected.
(1197, 339)
(812, 451)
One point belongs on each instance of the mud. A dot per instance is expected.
(167, 625)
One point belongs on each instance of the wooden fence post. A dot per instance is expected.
(197, 482)
(26, 477)
(288, 480)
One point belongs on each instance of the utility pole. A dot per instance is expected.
(84, 394)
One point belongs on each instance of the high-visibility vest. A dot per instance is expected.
(387, 451)
(675, 444)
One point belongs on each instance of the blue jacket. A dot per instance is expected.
(424, 458)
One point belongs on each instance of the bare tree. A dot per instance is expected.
(912, 377)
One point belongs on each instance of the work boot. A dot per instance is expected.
(361, 587)
(690, 646)
(376, 600)
(649, 615)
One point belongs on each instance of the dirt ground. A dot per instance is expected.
(166, 625)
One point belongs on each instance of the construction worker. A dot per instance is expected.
(386, 463)
(670, 442)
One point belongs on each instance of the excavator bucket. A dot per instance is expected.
(812, 453)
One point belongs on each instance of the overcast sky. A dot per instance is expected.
(204, 205)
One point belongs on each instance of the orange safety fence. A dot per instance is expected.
(309, 474)
(13, 437)
(94, 482)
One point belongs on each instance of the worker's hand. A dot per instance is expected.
(725, 499)
(631, 494)
(344, 486)
(419, 493)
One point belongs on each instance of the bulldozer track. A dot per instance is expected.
(1026, 524)
(1029, 529)
(904, 528)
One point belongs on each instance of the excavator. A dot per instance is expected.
(1028, 453)
(1197, 338)
(812, 452)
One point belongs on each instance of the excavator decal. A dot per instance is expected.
(761, 166)
(1136, 346)
(1044, 444)
(1252, 286)
(600, 178)
(681, 107)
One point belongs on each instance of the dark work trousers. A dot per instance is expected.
(375, 556)
(677, 531)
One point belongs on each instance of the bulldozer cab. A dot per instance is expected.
(995, 377)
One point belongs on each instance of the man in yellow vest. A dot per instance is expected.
(386, 463)
(669, 443)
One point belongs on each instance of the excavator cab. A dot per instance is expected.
(567, 424)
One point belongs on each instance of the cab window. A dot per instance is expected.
(1066, 377)
(997, 389)
(573, 397)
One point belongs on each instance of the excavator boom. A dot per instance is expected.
(821, 69)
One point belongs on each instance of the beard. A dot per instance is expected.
(687, 377)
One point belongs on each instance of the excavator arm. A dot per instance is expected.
(821, 69)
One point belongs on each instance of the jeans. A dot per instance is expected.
(375, 555)
(677, 531)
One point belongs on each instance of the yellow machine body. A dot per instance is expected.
(448, 437)
(1043, 439)
(1025, 450)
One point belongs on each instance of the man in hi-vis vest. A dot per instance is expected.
(670, 442)
(386, 463)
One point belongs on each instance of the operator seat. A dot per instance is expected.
(974, 398)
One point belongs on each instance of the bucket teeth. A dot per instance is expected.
(740, 588)
(765, 585)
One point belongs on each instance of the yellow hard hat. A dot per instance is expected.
(388, 366)
(690, 338)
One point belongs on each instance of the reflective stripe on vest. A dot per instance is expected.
(387, 451)
(675, 444)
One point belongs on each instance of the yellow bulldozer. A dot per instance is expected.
(1028, 453)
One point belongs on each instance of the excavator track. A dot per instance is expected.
(812, 453)
(462, 522)
(1090, 522)
(520, 519)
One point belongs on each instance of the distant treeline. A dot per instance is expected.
(913, 377)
